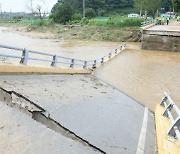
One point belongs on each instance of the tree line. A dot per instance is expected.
(92, 8)
(97, 4)
(65, 10)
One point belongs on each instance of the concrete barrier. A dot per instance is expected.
(9, 68)
(148, 26)
(166, 144)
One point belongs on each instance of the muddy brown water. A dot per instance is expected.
(142, 74)
(85, 50)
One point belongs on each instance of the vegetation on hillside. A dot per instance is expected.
(104, 19)
(94, 8)
(176, 4)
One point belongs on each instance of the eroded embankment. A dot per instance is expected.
(14, 99)
(69, 32)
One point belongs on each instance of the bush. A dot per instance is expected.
(84, 21)
(74, 22)
(77, 16)
(90, 13)
(17, 18)
(101, 12)
(63, 13)
(97, 22)
(39, 22)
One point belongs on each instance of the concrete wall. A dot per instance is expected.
(161, 40)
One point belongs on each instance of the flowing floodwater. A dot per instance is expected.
(86, 50)
(142, 74)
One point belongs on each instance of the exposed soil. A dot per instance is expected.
(93, 33)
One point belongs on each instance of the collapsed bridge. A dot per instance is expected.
(70, 113)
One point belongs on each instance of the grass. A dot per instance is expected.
(117, 22)
(99, 29)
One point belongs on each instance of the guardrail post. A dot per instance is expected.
(94, 65)
(163, 100)
(115, 51)
(120, 48)
(110, 55)
(175, 124)
(25, 55)
(85, 65)
(102, 59)
(72, 63)
(54, 62)
(169, 107)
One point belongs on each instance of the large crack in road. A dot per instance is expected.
(41, 115)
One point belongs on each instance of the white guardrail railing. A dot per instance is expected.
(55, 60)
(146, 23)
(173, 113)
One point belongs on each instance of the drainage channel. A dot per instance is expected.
(14, 99)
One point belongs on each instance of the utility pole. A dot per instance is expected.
(1, 10)
(84, 13)
(146, 14)
(141, 10)
(157, 13)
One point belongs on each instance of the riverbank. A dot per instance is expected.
(75, 32)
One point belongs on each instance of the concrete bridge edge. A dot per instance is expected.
(25, 69)
(165, 143)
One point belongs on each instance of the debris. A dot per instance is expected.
(1, 126)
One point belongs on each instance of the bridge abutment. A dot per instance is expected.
(161, 38)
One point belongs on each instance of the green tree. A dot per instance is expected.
(90, 13)
(151, 6)
(176, 4)
(96, 5)
(62, 12)
(167, 4)
(139, 4)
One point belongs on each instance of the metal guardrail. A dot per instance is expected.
(174, 129)
(56, 59)
(146, 23)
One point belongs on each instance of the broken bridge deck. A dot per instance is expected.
(90, 108)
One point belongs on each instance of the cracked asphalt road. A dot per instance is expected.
(94, 110)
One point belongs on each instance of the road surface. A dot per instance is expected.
(97, 112)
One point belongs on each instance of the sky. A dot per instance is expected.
(23, 5)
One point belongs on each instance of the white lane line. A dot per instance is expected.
(142, 136)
